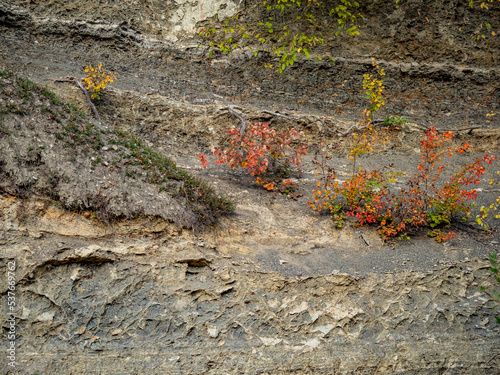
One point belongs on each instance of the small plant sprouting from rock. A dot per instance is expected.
(495, 294)
(97, 79)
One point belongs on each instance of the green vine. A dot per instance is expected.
(288, 29)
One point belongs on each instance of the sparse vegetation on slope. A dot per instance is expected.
(51, 148)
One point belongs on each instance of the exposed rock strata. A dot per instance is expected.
(273, 289)
(135, 306)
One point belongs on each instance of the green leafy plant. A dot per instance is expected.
(494, 294)
(485, 29)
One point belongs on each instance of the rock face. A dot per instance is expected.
(124, 306)
(424, 47)
(272, 289)
(165, 20)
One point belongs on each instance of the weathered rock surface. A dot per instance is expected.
(273, 289)
(148, 305)
(424, 59)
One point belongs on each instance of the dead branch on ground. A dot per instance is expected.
(89, 100)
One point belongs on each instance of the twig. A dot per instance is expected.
(195, 241)
(79, 84)
(355, 126)
(233, 111)
(296, 118)
(317, 119)
(277, 114)
(312, 120)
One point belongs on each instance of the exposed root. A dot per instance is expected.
(363, 237)
(80, 86)
(236, 113)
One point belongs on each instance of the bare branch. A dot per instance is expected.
(355, 127)
(469, 130)
(79, 84)
(363, 237)
(312, 120)
(236, 113)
